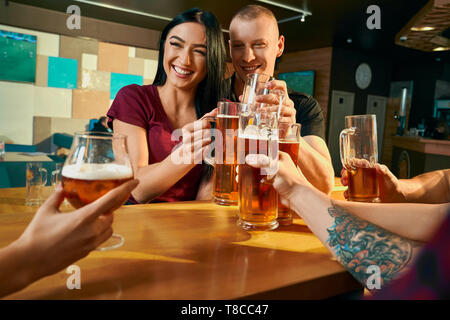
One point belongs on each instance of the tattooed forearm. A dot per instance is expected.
(359, 244)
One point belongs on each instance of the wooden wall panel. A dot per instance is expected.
(318, 60)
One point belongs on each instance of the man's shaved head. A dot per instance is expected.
(255, 42)
(253, 11)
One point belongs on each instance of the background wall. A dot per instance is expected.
(318, 60)
(76, 78)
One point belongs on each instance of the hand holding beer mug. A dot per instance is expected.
(289, 142)
(359, 155)
(255, 86)
(225, 153)
(97, 162)
(258, 200)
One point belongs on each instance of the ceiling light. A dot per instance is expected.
(423, 28)
(441, 49)
(303, 18)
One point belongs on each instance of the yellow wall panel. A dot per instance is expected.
(16, 111)
(89, 104)
(150, 67)
(89, 61)
(95, 80)
(52, 102)
(112, 57)
(136, 66)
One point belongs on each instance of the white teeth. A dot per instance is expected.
(181, 71)
(250, 68)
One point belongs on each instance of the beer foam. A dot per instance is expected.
(253, 137)
(227, 116)
(97, 171)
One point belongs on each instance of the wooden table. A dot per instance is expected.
(189, 250)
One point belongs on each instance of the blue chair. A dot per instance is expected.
(19, 148)
(92, 122)
(62, 140)
(4, 178)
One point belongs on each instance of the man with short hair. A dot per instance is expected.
(255, 44)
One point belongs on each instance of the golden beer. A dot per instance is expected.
(258, 200)
(363, 185)
(225, 185)
(85, 184)
(291, 147)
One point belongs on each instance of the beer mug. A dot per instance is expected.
(97, 162)
(359, 154)
(255, 86)
(289, 142)
(225, 153)
(36, 178)
(258, 200)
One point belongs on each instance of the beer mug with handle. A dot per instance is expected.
(359, 154)
(36, 178)
(258, 200)
(225, 190)
(255, 86)
(289, 142)
(97, 162)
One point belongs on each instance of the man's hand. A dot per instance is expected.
(278, 88)
(389, 185)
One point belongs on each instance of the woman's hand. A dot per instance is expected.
(196, 136)
(53, 240)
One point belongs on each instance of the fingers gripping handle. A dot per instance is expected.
(344, 146)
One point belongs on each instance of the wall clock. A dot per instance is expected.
(363, 76)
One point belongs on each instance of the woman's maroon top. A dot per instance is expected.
(142, 107)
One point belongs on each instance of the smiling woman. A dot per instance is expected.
(188, 84)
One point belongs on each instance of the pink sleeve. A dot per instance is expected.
(132, 106)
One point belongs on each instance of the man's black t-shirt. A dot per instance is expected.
(309, 112)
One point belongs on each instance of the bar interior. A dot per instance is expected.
(217, 150)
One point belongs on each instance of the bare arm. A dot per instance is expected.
(409, 220)
(356, 243)
(157, 178)
(52, 240)
(430, 187)
(315, 162)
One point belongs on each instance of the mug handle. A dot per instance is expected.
(207, 157)
(43, 176)
(344, 146)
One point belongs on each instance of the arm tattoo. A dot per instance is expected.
(359, 244)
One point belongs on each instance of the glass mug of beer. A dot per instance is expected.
(258, 200)
(359, 154)
(36, 178)
(255, 86)
(97, 162)
(289, 142)
(225, 153)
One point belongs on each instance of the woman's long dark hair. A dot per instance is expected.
(213, 87)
